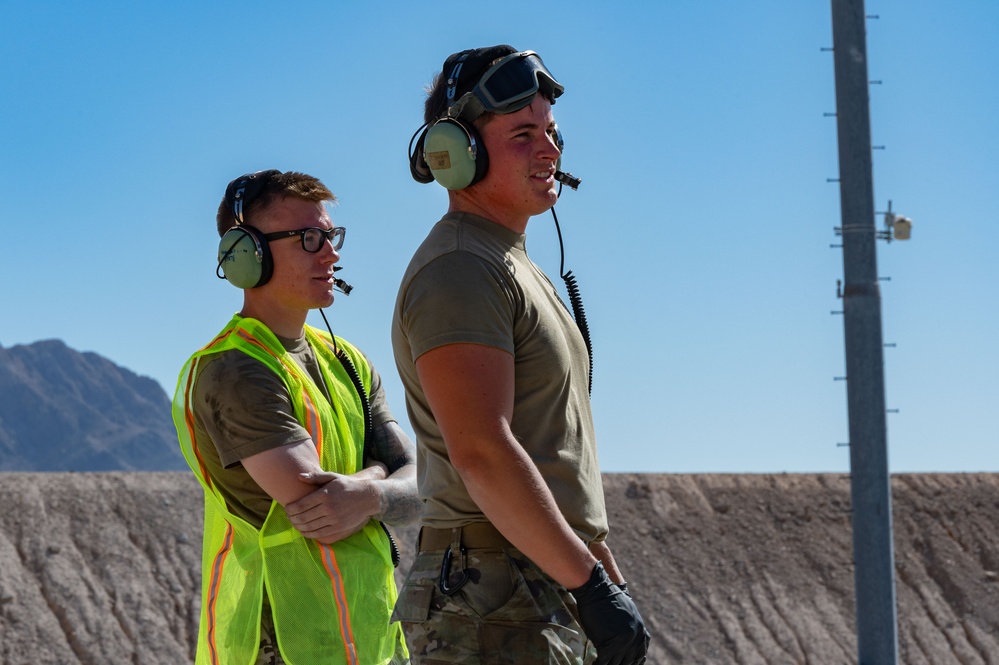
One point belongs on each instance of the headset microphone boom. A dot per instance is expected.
(343, 286)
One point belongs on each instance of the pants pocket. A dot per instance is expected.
(514, 642)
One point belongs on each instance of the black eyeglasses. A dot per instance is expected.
(313, 238)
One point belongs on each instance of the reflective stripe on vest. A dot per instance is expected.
(331, 603)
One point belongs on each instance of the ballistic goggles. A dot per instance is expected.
(507, 86)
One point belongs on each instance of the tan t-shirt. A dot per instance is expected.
(242, 408)
(471, 281)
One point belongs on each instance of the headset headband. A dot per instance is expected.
(452, 79)
(244, 189)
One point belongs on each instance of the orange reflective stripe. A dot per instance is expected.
(221, 336)
(346, 632)
(253, 340)
(314, 424)
(213, 592)
(189, 419)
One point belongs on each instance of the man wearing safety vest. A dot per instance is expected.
(288, 431)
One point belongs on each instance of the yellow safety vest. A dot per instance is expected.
(331, 603)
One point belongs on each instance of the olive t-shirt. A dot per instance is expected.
(242, 408)
(471, 281)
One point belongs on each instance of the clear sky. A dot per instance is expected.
(700, 236)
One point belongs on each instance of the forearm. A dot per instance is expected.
(398, 500)
(603, 553)
(279, 471)
(520, 505)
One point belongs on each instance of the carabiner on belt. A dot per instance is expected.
(444, 583)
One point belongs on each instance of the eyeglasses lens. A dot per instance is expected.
(313, 239)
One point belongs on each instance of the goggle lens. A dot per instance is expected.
(512, 83)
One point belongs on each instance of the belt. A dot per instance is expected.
(477, 535)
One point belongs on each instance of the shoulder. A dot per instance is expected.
(461, 240)
(232, 365)
(461, 273)
(237, 375)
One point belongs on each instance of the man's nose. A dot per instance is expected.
(550, 147)
(329, 253)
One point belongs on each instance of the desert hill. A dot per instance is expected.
(63, 410)
(753, 569)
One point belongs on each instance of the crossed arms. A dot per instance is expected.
(327, 506)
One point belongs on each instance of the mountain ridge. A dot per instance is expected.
(65, 410)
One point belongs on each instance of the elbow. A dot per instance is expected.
(466, 459)
(479, 459)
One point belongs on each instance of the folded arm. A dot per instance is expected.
(384, 490)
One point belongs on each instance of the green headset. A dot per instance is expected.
(244, 255)
(450, 149)
(452, 152)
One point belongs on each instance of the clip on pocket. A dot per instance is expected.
(444, 582)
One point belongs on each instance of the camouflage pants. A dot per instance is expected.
(268, 654)
(507, 611)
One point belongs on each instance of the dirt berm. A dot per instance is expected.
(104, 568)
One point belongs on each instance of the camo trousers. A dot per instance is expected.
(507, 611)
(268, 654)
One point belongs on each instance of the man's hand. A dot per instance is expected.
(340, 507)
(611, 621)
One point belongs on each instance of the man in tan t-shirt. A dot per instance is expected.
(513, 563)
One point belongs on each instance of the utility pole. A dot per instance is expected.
(870, 486)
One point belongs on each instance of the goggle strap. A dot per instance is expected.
(469, 107)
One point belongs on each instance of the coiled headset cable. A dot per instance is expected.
(355, 378)
(575, 298)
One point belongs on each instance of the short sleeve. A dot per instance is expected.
(459, 298)
(244, 407)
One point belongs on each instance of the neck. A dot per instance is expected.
(460, 201)
(282, 321)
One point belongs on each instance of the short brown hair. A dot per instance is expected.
(278, 186)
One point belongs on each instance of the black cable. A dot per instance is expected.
(355, 378)
(575, 298)
(225, 255)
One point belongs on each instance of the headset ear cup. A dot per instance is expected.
(455, 153)
(417, 164)
(482, 160)
(245, 257)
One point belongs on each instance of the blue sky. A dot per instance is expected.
(700, 236)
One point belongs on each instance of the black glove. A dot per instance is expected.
(611, 621)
